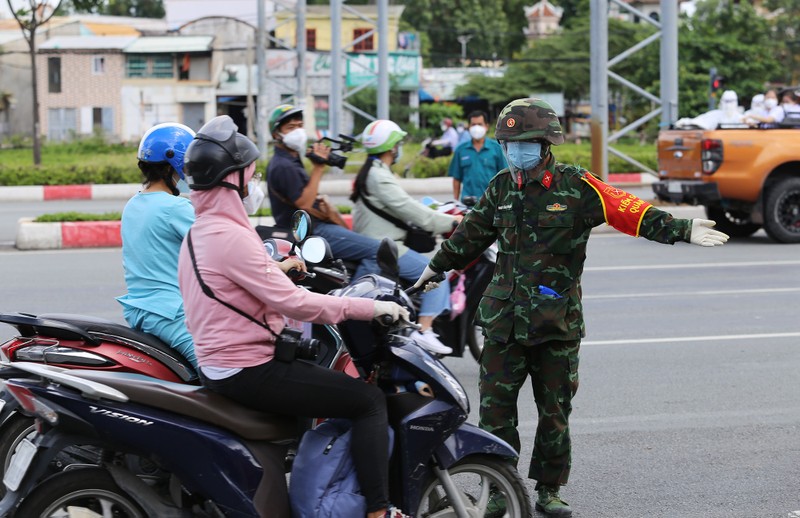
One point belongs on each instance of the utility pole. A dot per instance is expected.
(339, 91)
(599, 86)
(261, 59)
(463, 40)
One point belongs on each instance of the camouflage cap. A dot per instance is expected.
(529, 119)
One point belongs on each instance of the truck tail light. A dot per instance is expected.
(711, 155)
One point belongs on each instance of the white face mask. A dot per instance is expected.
(770, 103)
(255, 197)
(477, 132)
(296, 140)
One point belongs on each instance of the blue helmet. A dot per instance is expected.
(166, 143)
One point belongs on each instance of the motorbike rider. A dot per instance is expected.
(378, 185)
(154, 223)
(541, 213)
(291, 188)
(236, 300)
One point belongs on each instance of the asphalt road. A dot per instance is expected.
(689, 403)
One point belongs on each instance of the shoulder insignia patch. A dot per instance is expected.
(547, 179)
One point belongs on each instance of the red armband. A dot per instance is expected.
(622, 210)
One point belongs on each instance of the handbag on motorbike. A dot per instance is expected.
(417, 238)
(323, 480)
(321, 210)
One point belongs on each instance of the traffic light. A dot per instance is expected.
(717, 83)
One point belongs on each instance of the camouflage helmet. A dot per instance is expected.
(529, 119)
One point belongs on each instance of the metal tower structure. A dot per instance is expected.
(339, 91)
(601, 72)
(296, 13)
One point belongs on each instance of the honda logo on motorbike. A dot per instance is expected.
(117, 415)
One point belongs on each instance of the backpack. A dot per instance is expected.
(323, 483)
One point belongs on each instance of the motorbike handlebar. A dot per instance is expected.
(436, 278)
(297, 274)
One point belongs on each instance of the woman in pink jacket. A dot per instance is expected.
(236, 297)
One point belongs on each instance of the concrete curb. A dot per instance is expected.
(332, 186)
(98, 234)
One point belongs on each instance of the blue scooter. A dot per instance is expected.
(172, 450)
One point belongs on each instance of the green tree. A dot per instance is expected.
(732, 37)
(735, 40)
(136, 8)
(786, 29)
(443, 21)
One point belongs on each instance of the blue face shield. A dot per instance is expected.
(523, 155)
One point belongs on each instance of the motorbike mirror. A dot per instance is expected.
(315, 250)
(301, 225)
(387, 258)
(469, 201)
(428, 201)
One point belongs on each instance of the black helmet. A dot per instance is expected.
(217, 149)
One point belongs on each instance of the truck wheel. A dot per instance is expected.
(735, 224)
(782, 211)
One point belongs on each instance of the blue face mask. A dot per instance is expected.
(524, 155)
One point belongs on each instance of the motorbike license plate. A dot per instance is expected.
(19, 464)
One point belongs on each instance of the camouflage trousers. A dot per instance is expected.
(553, 368)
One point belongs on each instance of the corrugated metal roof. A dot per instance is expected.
(161, 44)
(87, 42)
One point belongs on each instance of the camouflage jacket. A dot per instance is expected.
(541, 221)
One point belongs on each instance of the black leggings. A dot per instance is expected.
(305, 390)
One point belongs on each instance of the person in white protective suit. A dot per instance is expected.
(727, 113)
(757, 108)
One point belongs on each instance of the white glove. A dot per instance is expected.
(426, 274)
(395, 310)
(704, 235)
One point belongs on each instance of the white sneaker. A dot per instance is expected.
(430, 341)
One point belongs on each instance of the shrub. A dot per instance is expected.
(77, 216)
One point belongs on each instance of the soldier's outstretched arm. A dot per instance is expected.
(636, 217)
(473, 235)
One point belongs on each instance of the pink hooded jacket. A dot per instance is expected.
(234, 264)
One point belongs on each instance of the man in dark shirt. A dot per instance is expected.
(292, 188)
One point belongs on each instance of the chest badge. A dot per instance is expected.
(556, 207)
(547, 179)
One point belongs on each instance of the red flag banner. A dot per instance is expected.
(622, 210)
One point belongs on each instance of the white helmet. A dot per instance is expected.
(381, 136)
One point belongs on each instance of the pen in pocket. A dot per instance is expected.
(544, 290)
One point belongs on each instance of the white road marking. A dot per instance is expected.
(690, 293)
(690, 266)
(676, 339)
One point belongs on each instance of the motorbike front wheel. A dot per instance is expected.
(490, 487)
(91, 490)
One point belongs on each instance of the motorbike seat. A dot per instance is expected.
(93, 329)
(198, 403)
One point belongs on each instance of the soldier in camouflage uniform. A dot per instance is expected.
(541, 213)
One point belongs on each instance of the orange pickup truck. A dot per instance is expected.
(745, 178)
